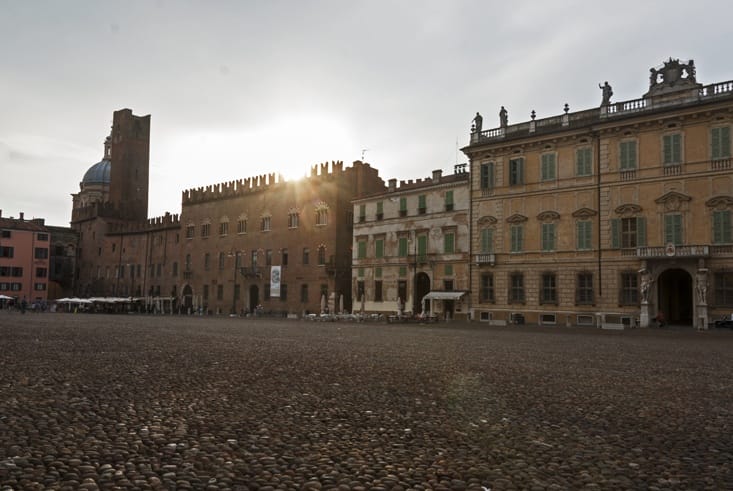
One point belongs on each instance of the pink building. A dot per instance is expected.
(24, 259)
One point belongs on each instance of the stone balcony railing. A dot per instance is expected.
(673, 251)
(604, 113)
(489, 259)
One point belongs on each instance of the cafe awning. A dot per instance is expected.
(452, 295)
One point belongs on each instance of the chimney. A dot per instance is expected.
(21, 216)
(437, 175)
(392, 184)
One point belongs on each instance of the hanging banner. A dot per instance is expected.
(275, 282)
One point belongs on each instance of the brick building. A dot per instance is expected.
(608, 215)
(237, 234)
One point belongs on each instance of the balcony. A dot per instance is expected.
(483, 259)
(670, 250)
(187, 274)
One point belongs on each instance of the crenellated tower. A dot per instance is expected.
(129, 154)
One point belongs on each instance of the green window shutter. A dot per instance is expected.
(677, 148)
(422, 246)
(487, 241)
(449, 197)
(583, 240)
(720, 142)
(721, 227)
(402, 247)
(516, 232)
(615, 233)
(548, 236)
(361, 249)
(487, 175)
(360, 272)
(379, 248)
(628, 155)
(403, 204)
(448, 243)
(421, 202)
(583, 162)
(673, 229)
(380, 207)
(641, 231)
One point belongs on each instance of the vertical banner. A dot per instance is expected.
(275, 281)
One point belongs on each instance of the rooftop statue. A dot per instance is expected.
(607, 93)
(503, 117)
(478, 122)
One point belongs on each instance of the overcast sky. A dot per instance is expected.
(242, 88)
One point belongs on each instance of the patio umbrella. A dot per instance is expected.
(5, 297)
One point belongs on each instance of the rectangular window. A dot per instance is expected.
(253, 257)
(402, 290)
(284, 257)
(223, 228)
(220, 292)
(628, 233)
(283, 292)
(322, 217)
(673, 229)
(379, 247)
(380, 210)
(222, 257)
(583, 162)
(583, 239)
(449, 243)
(306, 255)
(448, 270)
(360, 290)
(516, 288)
(190, 231)
(362, 213)
(548, 167)
(175, 269)
(378, 291)
(516, 171)
(304, 293)
(403, 206)
(205, 293)
(722, 227)
(207, 263)
(449, 201)
(42, 237)
(268, 257)
(584, 289)
(627, 155)
(517, 233)
(266, 295)
(422, 247)
(723, 289)
(39, 287)
(41, 253)
(402, 247)
(6, 251)
(672, 149)
(321, 255)
(487, 287)
(720, 143)
(548, 237)
(548, 293)
(422, 207)
(448, 285)
(5, 234)
(629, 294)
(205, 229)
(241, 226)
(487, 241)
(265, 224)
(361, 248)
(41, 272)
(487, 176)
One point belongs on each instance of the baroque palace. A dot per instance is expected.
(610, 216)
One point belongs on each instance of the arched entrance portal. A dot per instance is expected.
(422, 288)
(675, 296)
(187, 299)
(254, 297)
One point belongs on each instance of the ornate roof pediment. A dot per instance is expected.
(673, 196)
(628, 209)
(548, 216)
(487, 220)
(720, 202)
(516, 218)
(584, 213)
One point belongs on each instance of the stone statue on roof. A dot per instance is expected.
(607, 92)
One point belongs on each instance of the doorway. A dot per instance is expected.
(422, 288)
(675, 297)
(187, 299)
(254, 297)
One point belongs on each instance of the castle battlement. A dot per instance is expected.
(263, 182)
(160, 223)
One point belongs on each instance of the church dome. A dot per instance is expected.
(98, 173)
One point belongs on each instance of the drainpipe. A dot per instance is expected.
(598, 196)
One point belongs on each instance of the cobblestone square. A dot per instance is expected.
(168, 402)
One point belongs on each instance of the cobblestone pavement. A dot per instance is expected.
(136, 402)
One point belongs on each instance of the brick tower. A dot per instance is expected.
(130, 156)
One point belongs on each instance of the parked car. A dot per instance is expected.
(726, 321)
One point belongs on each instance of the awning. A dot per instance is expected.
(444, 295)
